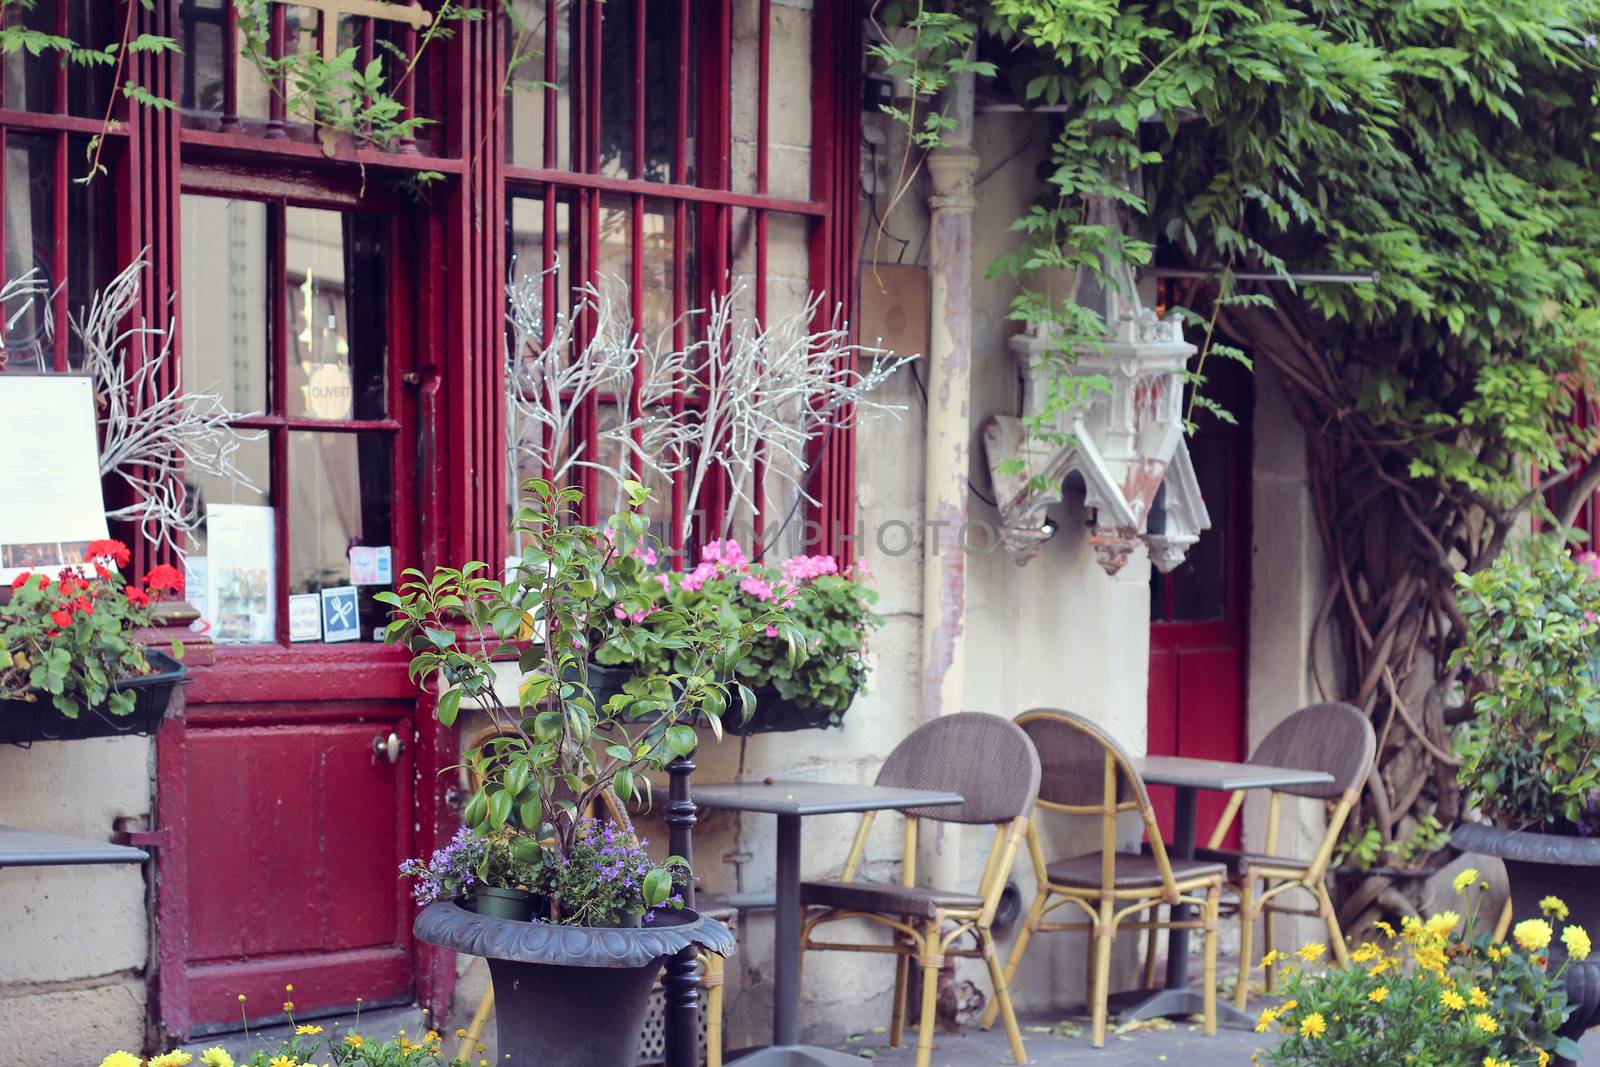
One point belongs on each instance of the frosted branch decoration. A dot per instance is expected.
(754, 393)
(152, 433)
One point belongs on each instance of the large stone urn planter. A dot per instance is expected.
(570, 996)
(1541, 865)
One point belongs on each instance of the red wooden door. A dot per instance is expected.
(285, 809)
(1199, 613)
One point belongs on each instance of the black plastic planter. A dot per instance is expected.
(1541, 865)
(570, 996)
(23, 722)
(513, 904)
(775, 715)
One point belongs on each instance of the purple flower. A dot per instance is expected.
(1589, 40)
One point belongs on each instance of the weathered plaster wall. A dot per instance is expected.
(74, 938)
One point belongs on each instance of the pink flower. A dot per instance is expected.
(725, 553)
(703, 573)
(645, 554)
(757, 588)
(772, 631)
(666, 582)
(805, 568)
(619, 612)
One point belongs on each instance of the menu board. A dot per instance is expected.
(50, 501)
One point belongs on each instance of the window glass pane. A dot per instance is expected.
(89, 263)
(661, 261)
(232, 567)
(224, 301)
(662, 64)
(341, 495)
(204, 25)
(87, 87)
(30, 245)
(31, 79)
(617, 74)
(526, 45)
(526, 244)
(615, 254)
(1200, 582)
(335, 313)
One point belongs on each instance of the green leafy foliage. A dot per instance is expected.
(1530, 755)
(558, 752)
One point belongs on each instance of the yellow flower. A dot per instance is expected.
(1367, 951)
(354, 1040)
(1465, 879)
(1576, 938)
(1312, 952)
(1442, 924)
(1410, 928)
(289, 988)
(1263, 1024)
(282, 1061)
(121, 1059)
(1431, 958)
(1490, 1061)
(1313, 1025)
(1478, 998)
(1498, 952)
(1544, 1057)
(171, 1059)
(1385, 927)
(216, 1057)
(288, 1006)
(1270, 958)
(1379, 995)
(431, 1038)
(1381, 966)
(1553, 906)
(1288, 1006)
(307, 1030)
(1452, 1000)
(1486, 1023)
(1532, 934)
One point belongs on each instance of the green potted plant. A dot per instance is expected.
(70, 664)
(1530, 753)
(1439, 992)
(572, 986)
(830, 609)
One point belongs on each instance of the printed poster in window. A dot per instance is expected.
(240, 550)
(49, 473)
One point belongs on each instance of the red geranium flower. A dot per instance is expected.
(21, 580)
(113, 550)
(164, 577)
(62, 619)
(83, 604)
(138, 597)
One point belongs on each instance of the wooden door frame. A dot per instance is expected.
(277, 673)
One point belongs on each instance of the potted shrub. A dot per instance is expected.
(1438, 992)
(572, 986)
(830, 609)
(1530, 753)
(70, 666)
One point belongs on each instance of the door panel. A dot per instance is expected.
(295, 829)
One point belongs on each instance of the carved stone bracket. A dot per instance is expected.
(1125, 440)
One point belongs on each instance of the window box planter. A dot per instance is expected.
(775, 715)
(571, 996)
(23, 722)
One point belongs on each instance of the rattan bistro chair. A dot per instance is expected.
(991, 763)
(1338, 739)
(1087, 773)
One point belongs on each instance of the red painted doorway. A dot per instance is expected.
(291, 789)
(1199, 613)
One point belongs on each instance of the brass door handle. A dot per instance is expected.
(389, 747)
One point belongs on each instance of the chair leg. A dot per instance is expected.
(474, 1034)
(1029, 925)
(1247, 929)
(931, 959)
(1341, 955)
(1002, 995)
(1269, 972)
(1152, 916)
(897, 1022)
(1212, 920)
(713, 979)
(1100, 986)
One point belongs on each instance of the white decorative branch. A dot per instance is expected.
(152, 435)
(758, 392)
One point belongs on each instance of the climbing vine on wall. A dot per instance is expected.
(1449, 153)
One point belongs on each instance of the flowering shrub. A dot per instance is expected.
(1436, 993)
(310, 1046)
(608, 877)
(830, 609)
(1528, 753)
(70, 637)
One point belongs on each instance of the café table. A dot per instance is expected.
(39, 848)
(791, 802)
(1189, 776)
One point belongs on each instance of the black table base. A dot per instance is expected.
(680, 983)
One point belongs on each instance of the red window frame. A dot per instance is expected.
(705, 39)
